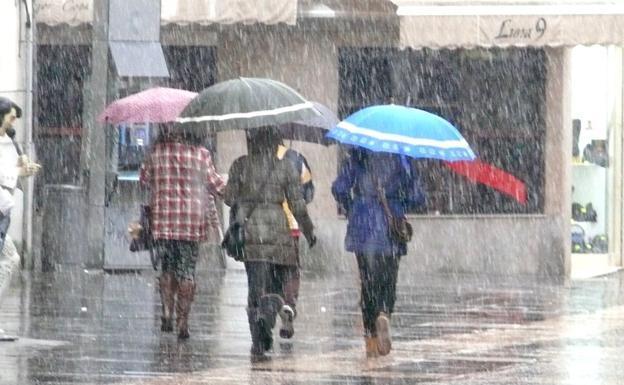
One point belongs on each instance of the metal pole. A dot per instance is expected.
(28, 44)
(93, 152)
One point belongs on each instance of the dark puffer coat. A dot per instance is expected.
(263, 179)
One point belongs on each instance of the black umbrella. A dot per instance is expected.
(246, 103)
(313, 129)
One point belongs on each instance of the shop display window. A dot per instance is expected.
(590, 173)
(595, 91)
(134, 139)
(495, 97)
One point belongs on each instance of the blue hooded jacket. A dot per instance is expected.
(355, 190)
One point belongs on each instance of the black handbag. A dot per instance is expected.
(234, 241)
(234, 237)
(145, 240)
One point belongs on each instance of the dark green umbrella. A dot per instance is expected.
(246, 103)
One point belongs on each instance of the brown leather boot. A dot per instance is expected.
(371, 347)
(186, 293)
(168, 286)
(384, 341)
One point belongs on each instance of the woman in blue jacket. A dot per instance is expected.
(361, 179)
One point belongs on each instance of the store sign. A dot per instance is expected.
(519, 30)
(72, 12)
(509, 30)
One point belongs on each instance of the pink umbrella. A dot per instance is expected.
(155, 105)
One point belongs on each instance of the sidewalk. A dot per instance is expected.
(86, 327)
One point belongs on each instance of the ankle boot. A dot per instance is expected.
(168, 286)
(186, 293)
(384, 341)
(371, 347)
(269, 306)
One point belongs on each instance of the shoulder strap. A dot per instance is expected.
(381, 195)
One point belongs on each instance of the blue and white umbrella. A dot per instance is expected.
(403, 130)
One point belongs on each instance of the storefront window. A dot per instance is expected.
(496, 98)
(134, 139)
(593, 129)
(191, 68)
(61, 71)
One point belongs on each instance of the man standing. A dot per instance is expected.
(12, 164)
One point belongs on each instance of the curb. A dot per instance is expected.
(9, 265)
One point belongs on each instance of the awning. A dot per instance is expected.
(75, 12)
(138, 59)
(55, 12)
(230, 12)
(537, 23)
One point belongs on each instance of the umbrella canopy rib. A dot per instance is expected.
(246, 115)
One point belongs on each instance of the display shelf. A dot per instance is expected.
(586, 164)
(589, 182)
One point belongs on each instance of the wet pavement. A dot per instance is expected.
(88, 327)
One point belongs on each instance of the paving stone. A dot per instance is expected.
(89, 327)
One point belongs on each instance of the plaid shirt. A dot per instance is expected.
(181, 178)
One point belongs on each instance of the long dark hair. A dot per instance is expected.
(378, 162)
(360, 156)
(175, 133)
(5, 107)
(263, 140)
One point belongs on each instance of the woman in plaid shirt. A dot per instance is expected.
(180, 176)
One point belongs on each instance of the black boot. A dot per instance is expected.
(269, 306)
(261, 336)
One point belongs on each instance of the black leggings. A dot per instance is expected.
(378, 276)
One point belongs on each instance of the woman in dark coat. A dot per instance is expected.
(368, 235)
(263, 180)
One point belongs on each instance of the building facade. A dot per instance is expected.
(16, 84)
(504, 76)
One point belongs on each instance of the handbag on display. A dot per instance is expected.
(596, 152)
(585, 213)
(577, 237)
(600, 244)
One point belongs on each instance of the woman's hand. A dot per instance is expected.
(134, 229)
(311, 240)
(26, 167)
